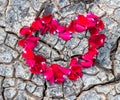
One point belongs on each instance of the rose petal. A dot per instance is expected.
(74, 61)
(53, 26)
(28, 53)
(61, 28)
(49, 75)
(40, 58)
(36, 25)
(36, 69)
(92, 52)
(25, 31)
(76, 72)
(46, 19)
(60, 80)
(80, 28)
(87, 63)
(91, 15)
(73, 76)
(81, 20)
(71, 27)
(94, 31)
(100, 24)
(21, 42)
(65, 36)
(30, 62)
(66, 71)
(58, 74)
(97, 40)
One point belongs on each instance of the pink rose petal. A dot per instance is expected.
(65, 36)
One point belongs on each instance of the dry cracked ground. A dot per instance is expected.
(100, 82)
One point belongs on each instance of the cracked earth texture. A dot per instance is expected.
(100, 82)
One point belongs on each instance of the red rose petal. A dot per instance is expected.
(81, 20)
(53, 26)
(66, 71)
(91, 15)
(94, 31)
(76, 72)
(100, 24)
(21, 42)
(28, 53)
(87, 63)
(46, 19)
(40, 58)
(30, 62)
(36, 69)
(92, 52)
(80, 28)
(58, 74)
(25, 31)
(74, 61)
(97, 40)
(61, 29)
(49, 75)
(71, 27)
(36, 25)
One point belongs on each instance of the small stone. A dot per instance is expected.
(22, 95)
(104, 89)
(63, 3)
(117, 14)
(54, 92)
(117, 62)
(36, 4)
(89, 95)
(30, 87)
(77, 86)
(38, 91)
(7, 54)
(22, 71)
(20, 84)
(92, 70)
(72, 43)
(80, 8)
(38, 79)
(113, 4)
(96, 10)
(80, 48)
(102, 76)
(89, 81)
(2, 35)
(6, 70)
(68, 82)
(68, 91)
(70, 97)
(46, 51)
(49, 9)
(117, 87)
(51, 39)
(54, 55)
(60, 44)
(11, 40)
(8, 82)
(104, 58)
(1, 81)
(9, 93)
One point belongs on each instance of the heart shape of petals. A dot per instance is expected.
(56, 73)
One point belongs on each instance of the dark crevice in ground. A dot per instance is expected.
(102, 84)
(45, 88)
(112, 54)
